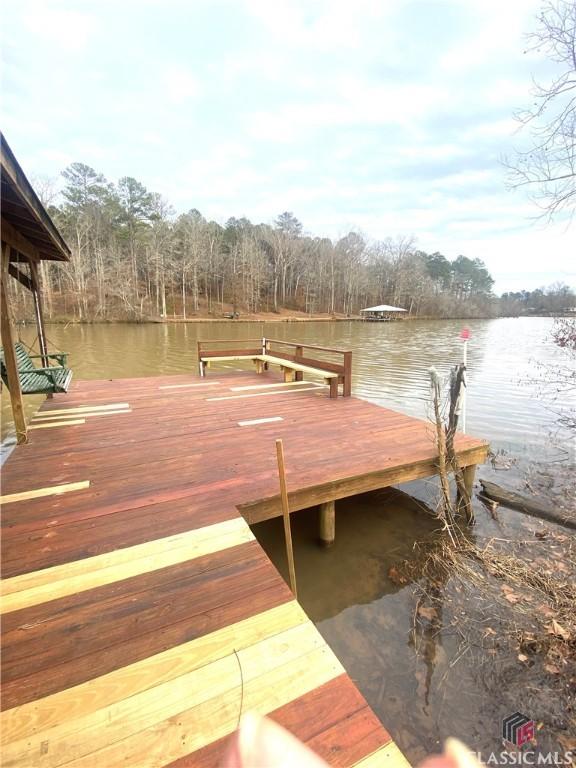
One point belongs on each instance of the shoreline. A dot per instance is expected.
(289, 319)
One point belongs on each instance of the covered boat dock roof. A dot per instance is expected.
(383, 308)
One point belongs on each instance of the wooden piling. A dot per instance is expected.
(286, 516)
(347, 384)
(464, 500)
(469, 475)
(327, 523)
(299, 353)
(9, 353)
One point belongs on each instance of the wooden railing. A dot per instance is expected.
(253, 347)
(299, 354)
(340, 361)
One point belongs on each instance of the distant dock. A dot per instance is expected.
(140, 615)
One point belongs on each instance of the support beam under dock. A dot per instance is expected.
(327, 523)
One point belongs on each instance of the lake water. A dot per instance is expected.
(423, 689)
(390, 362)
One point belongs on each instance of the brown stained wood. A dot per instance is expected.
(346, 743)
(248, 352)
(310, 362)
(86, 538)
(72, 578)
(333, 388)
(347, 377)
(74, 671)
(288, 379)
(16, 240)
(37, 296)
(17, 189)
(207, 708)
(17, 274)
(255, 512)
(71, 673)
(57, 715)
(333, 350)
(95, 502)
(7, 336)
(332, 719)
(295, 362)
(141, 604)
(198, 471)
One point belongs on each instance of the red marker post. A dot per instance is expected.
(465, 336)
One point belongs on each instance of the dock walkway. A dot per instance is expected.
(140, 615)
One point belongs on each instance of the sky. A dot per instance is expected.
(388, 117)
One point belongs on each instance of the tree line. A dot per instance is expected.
(133, 258)
(556, 299)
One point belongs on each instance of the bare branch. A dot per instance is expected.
(549, 166)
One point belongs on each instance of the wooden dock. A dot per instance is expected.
(140, 615)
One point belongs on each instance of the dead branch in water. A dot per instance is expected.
(447, 457)
(526, 505)
(445, 510)
(457, 386)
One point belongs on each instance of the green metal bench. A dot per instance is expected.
(34, 381)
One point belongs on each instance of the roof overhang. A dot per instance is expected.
(384, 308)
(26, 225)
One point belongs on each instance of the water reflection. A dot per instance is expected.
(389, 366)
(371, 536)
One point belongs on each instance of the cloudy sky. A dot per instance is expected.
(387, 116)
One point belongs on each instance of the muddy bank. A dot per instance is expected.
(443, 642)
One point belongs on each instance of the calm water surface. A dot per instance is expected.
(366, 618)
(390, 362)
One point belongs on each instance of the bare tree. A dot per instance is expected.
(548, 167)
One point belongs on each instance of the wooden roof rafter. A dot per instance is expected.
(26, 225)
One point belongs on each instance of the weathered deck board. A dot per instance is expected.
(139, 611)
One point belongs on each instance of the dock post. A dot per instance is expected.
(327, 523)
(9, 352)
(200, 363)
(299, 352)
(468, 473)
(347, 383)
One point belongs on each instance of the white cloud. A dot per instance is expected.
(354, 104)
(350, 114)
(180, 84)
(320, 25)
(66, 28)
